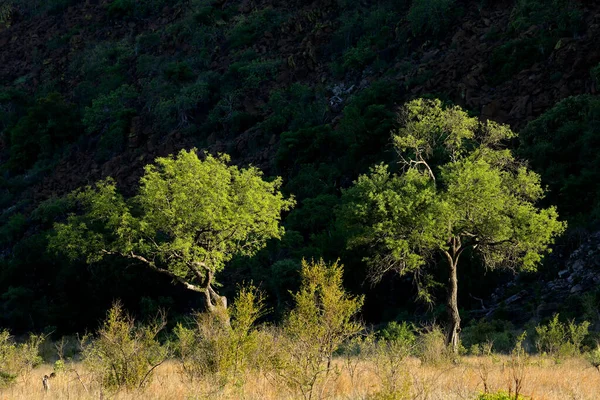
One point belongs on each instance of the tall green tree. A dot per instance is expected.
(459, 189)
(188, 220)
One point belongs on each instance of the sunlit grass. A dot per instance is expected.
(544, 380)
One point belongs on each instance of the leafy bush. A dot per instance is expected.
(395, 332)
(595, 74)
(545, 22)
(430, 16)
(17, 360)
(563, 146)
(496, 332)
(124, 355)
(320, 322)
(13, 228)
(248, 29)
(110, 116)
(215, 349)
(560, 339)
(431, 346)
(49, 124)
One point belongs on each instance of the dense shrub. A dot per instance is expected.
(123, 354)
(320, 322)
(48, 126)
(214, 349)
(561, 339)
(110, 116)
(431, 17)
(563, 146)
(17, 360)
(546, 22)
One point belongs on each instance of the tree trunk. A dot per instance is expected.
(454, 328)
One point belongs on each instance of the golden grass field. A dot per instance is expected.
(544, 379)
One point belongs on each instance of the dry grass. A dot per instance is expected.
(544, 380)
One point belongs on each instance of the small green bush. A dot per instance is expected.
(17, 360)
(561, 339)
(431, 346)
(124, 355)
(214, 349)
(403, 333)
(321, 321)
(110, 116)
(431, 17)
(49, 124)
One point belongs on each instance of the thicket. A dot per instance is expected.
(562, 145)
(534, 31)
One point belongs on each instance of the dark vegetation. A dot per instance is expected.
(306, 91)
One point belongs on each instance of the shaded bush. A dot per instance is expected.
(48, 126)
(432, 17)
(563, 146)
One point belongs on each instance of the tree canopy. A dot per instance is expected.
(459, 189)
(188, 220)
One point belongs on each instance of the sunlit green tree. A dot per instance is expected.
(188, 220)
(459, 189)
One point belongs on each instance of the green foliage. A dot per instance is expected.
(320, 322)
(13, 228)
(248, 29)
(535, 28)
(17, 360)
(189, 218)
(430, 17)
(395, 332)
(214, 349)
(48, 126)
(135, 9)
(110, 116)
(51, 210)
(6, 13)
(561, 339)
(293, 108)
(562, 145)
(497, 333)
(124, 355)
(477, 192)
(595, 74)
(593, 357)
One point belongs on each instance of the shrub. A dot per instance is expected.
(593, 358)
(560, 339)
(248, 29)
(430, 16)
(220, 351)
(49, 124)
(431, 346)
(124, 355)
(595, 74)
(320, 322)
(110, 116)
(562, 145)
(17, 360)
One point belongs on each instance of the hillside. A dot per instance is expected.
(305, 90)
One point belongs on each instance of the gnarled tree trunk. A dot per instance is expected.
(452, 338)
